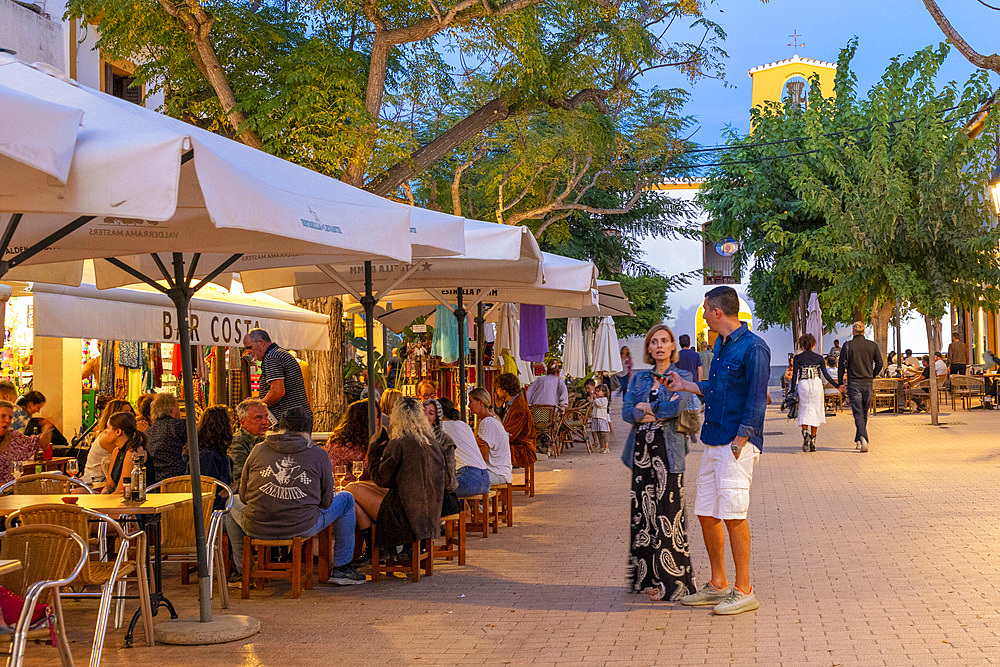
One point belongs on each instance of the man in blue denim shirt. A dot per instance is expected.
(735, 399)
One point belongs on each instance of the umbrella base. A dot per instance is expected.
(219, 630)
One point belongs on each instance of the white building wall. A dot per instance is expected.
(35, 37)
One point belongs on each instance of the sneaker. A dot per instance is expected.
(737, 603)
(864, 445)
(346, 576)
(708, 596)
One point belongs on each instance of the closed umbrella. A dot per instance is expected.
(573, 362)
(142, 183)
(814, 321)
(607, 355)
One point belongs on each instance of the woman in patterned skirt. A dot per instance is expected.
(659, 560)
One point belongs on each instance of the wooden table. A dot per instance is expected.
(8, 566)
(55, 464)
(113, 505)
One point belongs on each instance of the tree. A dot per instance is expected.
(990, 62)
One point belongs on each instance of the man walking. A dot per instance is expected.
(281, 383)
(862, 361)
(958, 355)
(735, 399)
(688, 359)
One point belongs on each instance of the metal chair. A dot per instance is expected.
(45, 483)
(109, 575)
(177, 541)
(51, 557)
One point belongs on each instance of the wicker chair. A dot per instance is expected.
(546, 419)
(43, 483)
(51, 557)
(178, 543)
(109, 575)
(575, 427)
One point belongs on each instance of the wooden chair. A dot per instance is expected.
(942, 386)
(575, 427)
(883, 394)
(421, 556)
(546, 419)
(454, 538)
(177, 531)
(529, 481)
(483, 512)
(51, 557)
(505, 503)
(966, 388)
(833, 400)
(46, 483)
(920, 393)
(131, 559)
(265, 567)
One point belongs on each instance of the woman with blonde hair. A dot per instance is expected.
(493, 439)
(408, 481)
(387, 403)
(659, 557)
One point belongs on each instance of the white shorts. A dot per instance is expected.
(723, 487)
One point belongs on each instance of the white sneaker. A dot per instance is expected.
(708, 596)
(864, 445)
(737, 603)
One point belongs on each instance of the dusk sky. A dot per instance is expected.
(758, 33)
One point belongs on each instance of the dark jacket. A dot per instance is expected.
(809, 359)
(165, 440)
(217, 465)
(415, 476)
(860, 359)
(243, 444)
(285, 482)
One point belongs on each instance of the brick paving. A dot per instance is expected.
(885, 558)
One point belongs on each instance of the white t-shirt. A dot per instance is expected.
(940, 367)
(466, 448)
(495, 435)
(600, 410)
(94, 471)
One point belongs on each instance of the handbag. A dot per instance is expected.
(688, 421)
(11, 605)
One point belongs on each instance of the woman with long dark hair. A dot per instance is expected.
(215, 436)
(129, 442)
(98, 457)
(807, 367)
(349, 441)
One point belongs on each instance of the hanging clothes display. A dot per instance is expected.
(534, 333)
(130, 354)
(106, 379)
(445, 343)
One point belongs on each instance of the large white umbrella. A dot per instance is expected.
(814, 321)
(573, 361)
(509, 338)
(611, 301)
(36, 133)
(140, 182)
(607, 355)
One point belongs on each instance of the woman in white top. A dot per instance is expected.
(99, 456)
(473, 476)
(494, 443)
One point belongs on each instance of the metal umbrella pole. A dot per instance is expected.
(899, 344)
(460, 316)
(480, 345)
(368, 302)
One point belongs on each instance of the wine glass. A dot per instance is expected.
(339, 473)
(72, 467)
(358, 469)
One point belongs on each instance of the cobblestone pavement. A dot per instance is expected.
(887, 558)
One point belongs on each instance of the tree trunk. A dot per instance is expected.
(933, 399)
(327, 381)
(795, 319)
(881, 317)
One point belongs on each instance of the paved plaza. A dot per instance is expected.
(886, 558)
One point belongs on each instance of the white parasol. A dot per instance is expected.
(573, 361)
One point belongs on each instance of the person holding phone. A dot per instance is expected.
(735, 396)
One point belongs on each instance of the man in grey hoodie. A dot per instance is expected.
(287, 486)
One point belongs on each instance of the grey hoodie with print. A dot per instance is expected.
(285, 482)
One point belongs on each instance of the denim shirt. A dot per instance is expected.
(736, 389)
(664, 408)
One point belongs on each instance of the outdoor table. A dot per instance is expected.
(8, 566)
(113, 505)
(55, 464)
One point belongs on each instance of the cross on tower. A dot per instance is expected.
(795, 40)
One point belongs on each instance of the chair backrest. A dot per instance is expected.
(47, 553)
(177, 528)
(72, 517)
(542, 415)
(883, 385)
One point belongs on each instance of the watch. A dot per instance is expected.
(736, 448)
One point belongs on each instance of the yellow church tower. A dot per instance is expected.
(789, 80)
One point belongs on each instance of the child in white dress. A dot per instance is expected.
(599, 424)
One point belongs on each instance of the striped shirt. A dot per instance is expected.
(278, 364)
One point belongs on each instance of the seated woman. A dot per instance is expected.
(435, 415)
(128, 442)
(494, 443)
(215, 436)
(349, 441)
(98, 457)
(387, 403)
(471, 474)
(517, 420)
(404, 502)
(166, 437)
(143, 418)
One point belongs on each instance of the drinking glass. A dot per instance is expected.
(72, 467)
(339, 473)
(358, 469)
(16, 469)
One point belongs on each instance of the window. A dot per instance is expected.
(119, 84)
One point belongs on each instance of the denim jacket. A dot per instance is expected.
(665, 409)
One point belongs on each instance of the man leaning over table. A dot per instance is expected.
(735, 396)
(252, 414)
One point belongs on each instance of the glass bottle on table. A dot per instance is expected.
(39, 462)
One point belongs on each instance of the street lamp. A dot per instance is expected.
(995, 189)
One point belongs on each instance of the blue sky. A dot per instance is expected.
(758, 33)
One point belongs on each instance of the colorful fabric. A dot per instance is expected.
(130, 354)
(534, 333)
(445, 343)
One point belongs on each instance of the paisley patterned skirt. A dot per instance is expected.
(659, 557)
